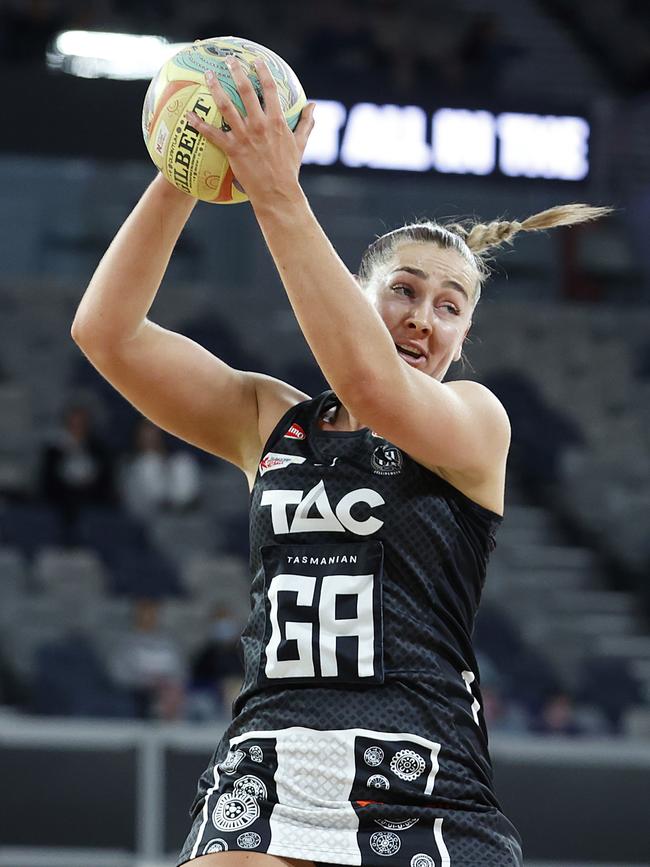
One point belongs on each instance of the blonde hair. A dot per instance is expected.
(474, 239)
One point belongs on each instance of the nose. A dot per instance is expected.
(417, 321)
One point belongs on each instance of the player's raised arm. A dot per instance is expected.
(460, 429)
(173, 381)
(124, 285)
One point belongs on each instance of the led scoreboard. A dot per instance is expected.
(449, 140)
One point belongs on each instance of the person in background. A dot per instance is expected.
(217, 669)
(77, 468)
(153, 478)
(557, 716)
(148, 662)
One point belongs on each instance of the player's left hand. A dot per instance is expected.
(264, 154)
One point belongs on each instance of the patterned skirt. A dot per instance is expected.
(348, 796)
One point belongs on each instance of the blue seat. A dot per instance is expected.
(30, 526)
(70, 680)
(608, 683)
(144, 573)
(109, 531)
(236, 535)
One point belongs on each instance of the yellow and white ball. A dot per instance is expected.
(185, 157)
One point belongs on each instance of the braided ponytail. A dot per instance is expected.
(473, 239)
(483, 236)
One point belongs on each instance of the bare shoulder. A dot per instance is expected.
(274, 399)
(487, 415)
(483, 404)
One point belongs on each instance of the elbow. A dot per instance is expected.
(80, 336)
(75, 333)
(89, 345)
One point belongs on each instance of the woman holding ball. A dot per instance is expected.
(358, 737)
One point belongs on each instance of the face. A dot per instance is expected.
(425, 296)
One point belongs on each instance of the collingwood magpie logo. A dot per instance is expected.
(386, 460)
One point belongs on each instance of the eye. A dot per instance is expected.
(452, 308)
(402, 289)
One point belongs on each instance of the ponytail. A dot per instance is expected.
(474, 239)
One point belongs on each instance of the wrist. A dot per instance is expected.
(287, 202)
(169, 191)
(169, 199)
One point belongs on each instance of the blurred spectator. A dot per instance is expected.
(148, 663)
(76, 468)
(501, 714)
(557, 716)
(217, 667)
(152, 478)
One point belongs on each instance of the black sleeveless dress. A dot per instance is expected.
(358, 736)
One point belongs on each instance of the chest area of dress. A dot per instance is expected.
(353, 486)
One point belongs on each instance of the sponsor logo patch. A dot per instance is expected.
(316, 500)
(295, 432)
(386, 460)
(275, 461)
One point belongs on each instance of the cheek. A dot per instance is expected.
(387, 310)
(449, 337)
(447, 330)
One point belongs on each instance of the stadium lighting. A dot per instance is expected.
(369, 135)
(124, 56)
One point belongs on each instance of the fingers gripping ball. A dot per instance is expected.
(185, 157)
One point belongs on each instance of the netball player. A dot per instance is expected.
(358, 737)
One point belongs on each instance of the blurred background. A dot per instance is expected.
(123, 551)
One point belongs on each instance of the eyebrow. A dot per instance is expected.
(418, 272)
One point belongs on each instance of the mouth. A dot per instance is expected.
(411, 354)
